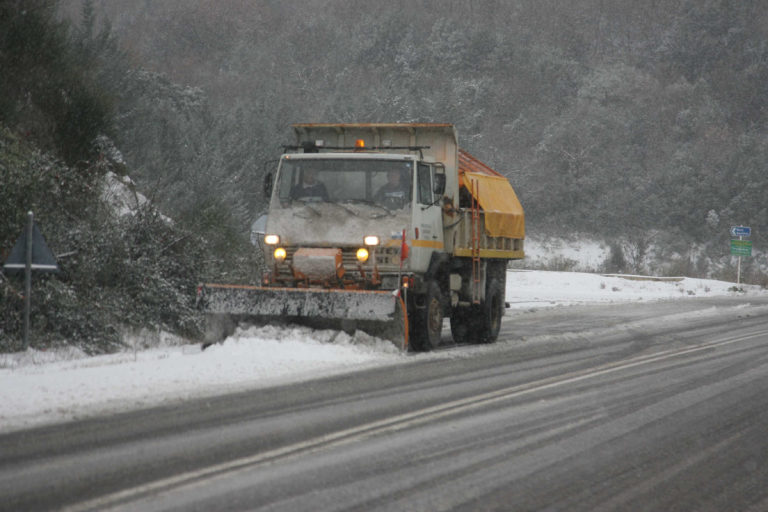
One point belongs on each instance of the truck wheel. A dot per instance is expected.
(481, 323)
(428, 321)
(491, 312)
(464, 326)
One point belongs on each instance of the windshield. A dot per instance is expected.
(382, 182)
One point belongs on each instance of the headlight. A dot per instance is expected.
(271, 239)
(371, 240)
(362, 255)
(280, 254)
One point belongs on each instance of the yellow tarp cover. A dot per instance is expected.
(504, 214)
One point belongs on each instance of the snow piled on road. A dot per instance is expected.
(37, 388)
(46, 387)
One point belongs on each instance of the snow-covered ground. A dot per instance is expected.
(525, 288)
(45, 387)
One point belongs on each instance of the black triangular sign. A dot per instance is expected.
(43, 259)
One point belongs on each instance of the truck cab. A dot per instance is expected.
(363, 206)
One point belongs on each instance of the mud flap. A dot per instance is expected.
(378, 313)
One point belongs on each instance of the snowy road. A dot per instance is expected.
(47, 387)
(648, 406)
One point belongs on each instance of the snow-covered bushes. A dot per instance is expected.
(118, 270)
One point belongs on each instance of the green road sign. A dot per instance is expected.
(741, 247)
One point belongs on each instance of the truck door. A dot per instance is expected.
(427, 234)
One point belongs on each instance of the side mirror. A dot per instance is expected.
(439, 185)
(268, 185)
(258, 229)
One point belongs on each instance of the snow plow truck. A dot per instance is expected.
(388, 228)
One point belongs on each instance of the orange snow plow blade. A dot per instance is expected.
(378, 313)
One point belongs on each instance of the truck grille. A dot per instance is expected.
(387, 260)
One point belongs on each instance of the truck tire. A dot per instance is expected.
(464, 325)
(480, 323)
(491, 311)
(428, 321)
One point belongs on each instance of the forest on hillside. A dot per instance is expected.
(640, 122)
(631, 120)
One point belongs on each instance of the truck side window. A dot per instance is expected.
(425, 184)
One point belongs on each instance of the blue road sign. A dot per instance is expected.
(741, 231)
(43, 259)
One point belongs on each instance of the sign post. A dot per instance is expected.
(740, 247)
(28, 277)
(30, 253)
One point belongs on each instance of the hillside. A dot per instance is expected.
(642, 122)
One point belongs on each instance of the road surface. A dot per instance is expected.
(660, 406)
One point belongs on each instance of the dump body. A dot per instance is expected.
(386, 227)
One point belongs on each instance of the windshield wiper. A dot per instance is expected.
(371, 203)
(306, 205)
(348, 210)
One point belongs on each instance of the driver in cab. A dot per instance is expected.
(310, 188)
(393, 194)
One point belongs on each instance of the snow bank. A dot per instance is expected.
(46, 387)
(527, 288)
